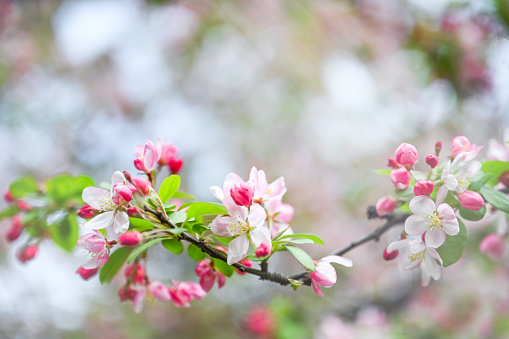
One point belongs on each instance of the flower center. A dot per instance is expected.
(107, 203)
(416, 257)
(238, 227)
(465, 181)
(434, 220)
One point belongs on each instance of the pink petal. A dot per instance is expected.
(159, 291)
(117, 178)
(338, 260)
(253, 177)
(95, 243)
(100, 221)
(441, 195)
(91, 196)
(81, 243)
(416, 225)
(221, 226)
(277, 188)
(121, 223)
(422, 205)
(263, 186)
(207, 281)
(316, 287)
(435, 237)
(237, 249)
(103, 257)
(257, 215)
(150, 155)
(260, 235)
(139, 299)
(433, 252)
(324, 274)
(221, 279)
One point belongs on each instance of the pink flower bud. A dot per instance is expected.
(461, 144)
(471, 200)
(138, 277)
(175, 165)
(504, 178)
(390, 256)
(400, 178)
(130, 239)
(385, 205)
(142, 184)
(242, 194)
(27, 253)
(168, 153)
(423, 187)
(260, 322)
(122, 194)
(138, 164)
(406, 154)
(87, 212)
(262, 251)
(438, 148)
(159, 291)
(432, 160)
(134, 211)
(127, 176)
(245, 262)
(126, 293)
(23, 205)
(391, 162)
(16, 228)
(8, 196)
(493, 245)
(86, 274)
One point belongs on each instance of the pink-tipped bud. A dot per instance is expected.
(242, 194)
(245, 262)
(390, 255)
(392, 163)
(142, 184)
(23, 205)
(27, 253)
(262, 251)
(471, 200)
(138, 277)
(168, 153)
(493, 245)
(127, 176)
(406, 154)
(504, 178)
(134, 211)
(87, 212)
(126, 293)
(260, 322)
(8, 197)
(175, 165)
(423, 187)
(432, 160)
(130, 239)
(159, 291)
(438, 148)
(86, 274)
(16, 228)
(122, 194)
(385, 205)
(138, 164)
(400, 178)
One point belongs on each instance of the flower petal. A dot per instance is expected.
(422, 205)
(416, 224)
(237, 249)
(397, 245)
(257, 215)
(260, 235)
(217, 192)
(338, 260)
(221, 226)
(121, 223)
(316, 287)
(324, 274)
(434, 237)
(102, 220)
(117, 178)
(92, 196)
(441, 195)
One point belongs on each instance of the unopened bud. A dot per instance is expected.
(432, 160)
(23, 205)
(471, 200)
(406, 154)
(504, 178)
(86, 273)
(27, 253)
(8, 196)
(16, 228)
(142, 184)
(242, 194)
(385, 205)
(138, 277)
(262, 251)
(126, 293)
(400, 178)
(438, 148)
(493, 245)
(133, 211)
(87, 212)
(391, 162)
(159, 291)
(175, 165)
(130, 239)
(127, 176)
(390, 256)
(423, 187)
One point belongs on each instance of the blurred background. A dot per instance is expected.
(320, 92)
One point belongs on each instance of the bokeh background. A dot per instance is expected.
(320, 92)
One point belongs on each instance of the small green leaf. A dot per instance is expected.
(143, 248)
(302, 257)
(405, 208)
(168, 187)
(177, 217)
(495, 168)
(195, 253)
(383, 172)
(114, 264)
(223, 267)
(177, 230)
(65, 233)
(173, 245)
(293, 241)
(168, 207)
(205, 208)
(404, 193)
(453, 247)
(60, 188)
(495, 198)
(140, 224)
(295, 284)
(472, 215)
(22, 187)
(314, 238)
(197, 227)
(9, 212)
(183, 196)
(480, 182)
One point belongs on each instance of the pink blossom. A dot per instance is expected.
(87, 273)
(87, 212)
(434, 222)
(175, 165)
(159, 291)
(8, 197)
(390, 255)
(142, 184)
(400, 178)
(16, 228)
(136, 294)
(242, 194)
(96, 244)
(260, 321)
(493, 245)
(136, 272)
(406, 154)
(461, 144)
(208, 275)
(245, 262)
(438, 147)
(385, 205)
(432, 160)
(168, 153)
(324, 274)
(130, 239)
(147, 157)
(279, 215)
(458, 174)
(27, 253)
(23, 205)
(423, 187)
(183, 292)
(471, 200)
(262, 251)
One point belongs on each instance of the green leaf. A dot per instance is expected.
(177, 217)
(143, 248)
(64, 187)
(65, 233)
(314, 238)
(495, 168)
(183, 196)
(480, 182)
(114, 264)
(383, 172)
(453, 247)
(405, 208)
(295, 241)
(302, 257)
(472, 215)
(168, 187)
(495, 198)
(404, 193)
(223, 267)
(22, 187)
(205, 208)
(9, 212)
(197, 227)
(173, 245)
(195, 253)
(140, 224)
(177, 230)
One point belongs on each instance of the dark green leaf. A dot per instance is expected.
(22, 187)
(65, 233)
(183, 196)
(177, 217)
(9, 212)
(223, 267)
(140, 224)
(168, 187)
(143, 248)
(173, 245)
(205, 208)
(302, 257)
(114, 264)
(314, 238)
(453, 247)
(495, 198)
(472, 215)
(195, 253)
(495, 168)
(480, 182)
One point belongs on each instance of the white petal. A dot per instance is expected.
(91, 196)
(416, 224)
(217, 192)
(338, 260)
(260, 235)
(261, 188)
(324, 274)
(102, 220)
(422, 205)
(397, 245)
(92, 263)
(441, 195)
(121, 223)
(433, 252)
(451, 182)
(257, 215)
(117, 178)
(237, 249)
(435, 237)
(221, 227)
